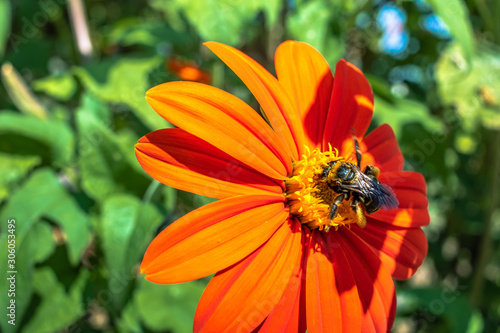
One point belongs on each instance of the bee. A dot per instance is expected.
(367, 192)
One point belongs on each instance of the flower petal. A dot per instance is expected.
(379, 148)
(410, 190)
(224, 121)
(332, 299)
(351, 107)
(184, 161)
(374, 283)
(306, 75)
(239, 298)
(285, 317)
(213, 237)
(401, 250)
(272, 97)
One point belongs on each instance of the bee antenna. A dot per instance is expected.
(358, 152)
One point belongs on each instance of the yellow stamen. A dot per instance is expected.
(309, 196)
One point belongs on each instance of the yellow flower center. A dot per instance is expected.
(310, 198)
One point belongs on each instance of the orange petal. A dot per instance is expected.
(239, 298)
(224, 121)
(374, 283)
(184, 161)
(306, 75)
(401, 250)
(379, 148)
(285, 315)
(213, 237)
(332, 299)
(351, 106)
(272, 97)
(410, 190)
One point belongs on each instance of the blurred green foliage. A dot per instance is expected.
(85, 211)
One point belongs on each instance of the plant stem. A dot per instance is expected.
(486, 240)
(20, 94)
(79, 23)
(151, 190)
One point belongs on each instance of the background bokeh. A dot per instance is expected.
(72, 106)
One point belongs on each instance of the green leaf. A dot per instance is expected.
(58, 309)
(129, 321)
(222, 20)
(41, 241)
(13, 168)
(309, 23)
(135, 31)
(44, 196)
(127, 226)
(24, 262)
(22, 134)
(5, 14)
(447, 306)
(36, 247)
(474, 90)
(107, 162)
(61, 87)
(168, 307)
(400, 112)
(455, 15)
(125, 81)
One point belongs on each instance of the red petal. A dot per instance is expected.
(374, 283)
(351, 106)
(306, 75)
(272, 97)
(213, 237)
(239, 298)
(224, 121)
(332, 299)
(410, 190)
(379, 148)
(181, 160)
(401, 250)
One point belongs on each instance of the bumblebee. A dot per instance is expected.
(367, 192)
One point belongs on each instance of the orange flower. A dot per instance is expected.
(281, 264)
(188, 70)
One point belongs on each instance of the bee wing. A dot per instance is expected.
(388, 198)
(363, 185)
(375, 190)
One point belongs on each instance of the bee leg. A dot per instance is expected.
(335, 205)
(371, 170)
(360, 214)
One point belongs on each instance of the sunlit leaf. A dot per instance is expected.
(5, 15)
(168, 307)
(309, 23)
(44, 196)
(107, 162)
(13, 168)
(127, 227)
(32, 136)
(41, 240)
(58, 309)
(129, 320)
(156, 34)
(124, 80)
(400, 112)
(61, 87)
(474, 90)
(455, 15)
(223, 20)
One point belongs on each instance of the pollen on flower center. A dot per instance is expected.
(309, 196)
